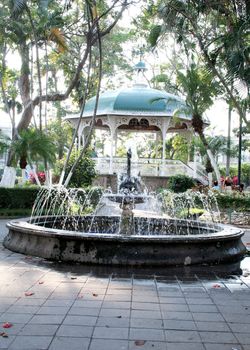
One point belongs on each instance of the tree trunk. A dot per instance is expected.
(211, 157)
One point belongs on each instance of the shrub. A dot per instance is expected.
(18, 197)
(84, 173)
(180, 183)
(234, 201)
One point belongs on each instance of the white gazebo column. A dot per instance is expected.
(164, 128)
(115, 140)
(113, 134)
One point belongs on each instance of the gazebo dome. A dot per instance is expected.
(135, 100)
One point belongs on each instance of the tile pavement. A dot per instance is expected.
(76, 307)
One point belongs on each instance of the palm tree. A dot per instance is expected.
(200, 88)
(33, 145)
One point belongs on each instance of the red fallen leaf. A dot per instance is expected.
(140, 342)
(41, 282)
(7, 325)
(4, 335)
(95, 295)
(216, 286)
(28, 294)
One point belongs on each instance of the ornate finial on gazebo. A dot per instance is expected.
(140, 80)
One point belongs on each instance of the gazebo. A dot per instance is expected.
(138, 108)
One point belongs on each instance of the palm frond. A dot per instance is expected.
(18, 6)
(57, 36)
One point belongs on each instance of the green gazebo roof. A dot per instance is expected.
(136, 100)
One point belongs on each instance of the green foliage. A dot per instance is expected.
(234, 201)
(33, 145)
(84, 172)
(245, 172)
(154, 35)
(180, 183)
(13, 198)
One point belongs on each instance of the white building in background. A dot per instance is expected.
(6, 129)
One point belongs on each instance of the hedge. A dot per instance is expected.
(234, 201)
(24, 197)
(18, 197)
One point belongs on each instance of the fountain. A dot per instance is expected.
(121, 232)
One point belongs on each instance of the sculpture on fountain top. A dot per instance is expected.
(130, 184)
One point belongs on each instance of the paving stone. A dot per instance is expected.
(80, 320)
(170, 300)
(218, 337)
(112, 322)
(108, 344)
(74, 331)
(23, 309)
(24, 342)
(220, 346)
(199, 301)
(110, 333)
(88, 303)
(148, 345)
(172, 315)
(5, 342)
(174, 307)
(116, 305)
(179, 325)
(146, 323)
(212, 326)
(207, 316)
(38, 329)
(145, 314)
(66, 343)
(239, 327)
(53, 310)
(84, 311)
(146, 334)
(243, 338)
(185, 346)
(47, 319)
(114, 313)
(203, 308)
(182, 336)
(15, 318)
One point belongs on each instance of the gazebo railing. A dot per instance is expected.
(148, 167)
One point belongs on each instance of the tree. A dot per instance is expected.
(219, 32)
(84, 172)
(47, 24)
(32, 145)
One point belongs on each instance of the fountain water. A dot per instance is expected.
(123, 229)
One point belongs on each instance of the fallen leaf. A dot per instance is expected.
(80, 296)
(119, 317)
(7, 325)
(248, 243)
(28, 294)
(216, 286)
(73, 278)
(4, 335)
(41, 282)
(95, 295)
(140, 342)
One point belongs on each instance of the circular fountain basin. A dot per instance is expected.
(172, 242)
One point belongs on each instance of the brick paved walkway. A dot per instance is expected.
(79, 307)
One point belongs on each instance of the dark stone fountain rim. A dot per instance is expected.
(225, 232)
